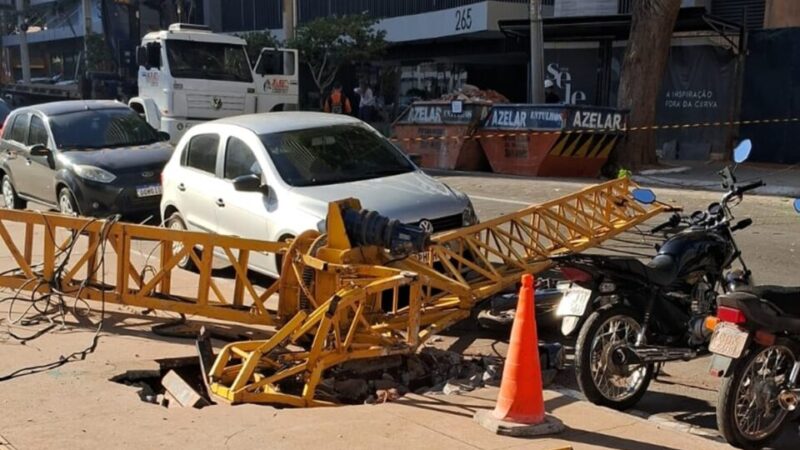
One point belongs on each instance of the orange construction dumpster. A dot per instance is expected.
(441, 134)
(551, 140)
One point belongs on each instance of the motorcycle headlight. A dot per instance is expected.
(468, 217)
(94, 173)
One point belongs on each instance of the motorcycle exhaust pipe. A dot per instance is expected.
(788, 400)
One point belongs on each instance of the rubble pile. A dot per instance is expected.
(470, 93)
(431, 371)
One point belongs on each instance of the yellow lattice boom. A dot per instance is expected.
(336, 302)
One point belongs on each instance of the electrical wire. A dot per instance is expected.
(44, 304)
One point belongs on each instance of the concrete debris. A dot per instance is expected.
(470, 93)
(182, 391)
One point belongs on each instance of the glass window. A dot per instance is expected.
(240, 160)
(334, 154)
(38, 132)
(273, 62)
(202, 153)
(19, 127)
(208, 61)
(101, 128)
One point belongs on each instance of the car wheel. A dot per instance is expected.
(176, 222)
(10, 196)
(66, 203)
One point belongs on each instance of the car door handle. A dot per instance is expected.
(220, 203)
(181, 187)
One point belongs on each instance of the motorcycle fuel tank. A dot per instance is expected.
(698, 250)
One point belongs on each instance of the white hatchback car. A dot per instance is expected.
(271, 176)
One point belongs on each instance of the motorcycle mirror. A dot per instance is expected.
(742, 151)
(644, 196)
(797, 205)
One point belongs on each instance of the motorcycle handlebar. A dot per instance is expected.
(673, 221)
(749, 187)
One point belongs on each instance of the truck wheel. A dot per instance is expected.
(10, 196)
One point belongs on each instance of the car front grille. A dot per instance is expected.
(445, 223)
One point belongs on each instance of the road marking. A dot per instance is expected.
(500, 200)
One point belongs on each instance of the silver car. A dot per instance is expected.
(270, 177)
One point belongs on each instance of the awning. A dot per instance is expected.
(617, 27)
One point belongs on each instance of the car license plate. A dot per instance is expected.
(574, 302)
(148, 191)
(728, 340)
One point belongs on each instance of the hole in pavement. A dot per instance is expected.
(149, 380)
(431, 371)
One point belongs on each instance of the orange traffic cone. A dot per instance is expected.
(520, 404)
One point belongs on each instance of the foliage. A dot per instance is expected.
(99, 56)
(327, 43)
(256, 40)
(624, 173)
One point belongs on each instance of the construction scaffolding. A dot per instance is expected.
(342, 296)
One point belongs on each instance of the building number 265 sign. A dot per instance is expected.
(464, 19)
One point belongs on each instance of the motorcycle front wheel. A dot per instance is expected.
(748, 413)
(601, 378)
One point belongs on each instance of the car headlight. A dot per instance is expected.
(468, 217)
(94, 173)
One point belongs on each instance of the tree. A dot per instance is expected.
(327, 43)
(642, 72)
(256, 40)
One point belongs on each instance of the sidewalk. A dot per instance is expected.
(782, 180)
(76, 406)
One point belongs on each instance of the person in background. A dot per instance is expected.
(367, 103)
(337, 102)
(550, 95)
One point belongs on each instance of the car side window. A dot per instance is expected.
(37, 134)
(18, 128)
(201, 153)
(240, 160)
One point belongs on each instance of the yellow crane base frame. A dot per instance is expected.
(336, 302)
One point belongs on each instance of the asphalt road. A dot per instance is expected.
(684, 394)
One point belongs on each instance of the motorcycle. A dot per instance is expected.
(633, 316)
(756, 349)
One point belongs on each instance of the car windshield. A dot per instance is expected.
(208, 61)
(337, 154)
(101, 128)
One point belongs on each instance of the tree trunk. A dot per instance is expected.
(642, 73)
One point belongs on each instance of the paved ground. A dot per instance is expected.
(74, 407)
(781, 180)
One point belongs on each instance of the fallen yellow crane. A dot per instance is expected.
(341, 296)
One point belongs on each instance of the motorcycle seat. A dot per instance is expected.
(661, 270)
(772, 307)
(785, 298)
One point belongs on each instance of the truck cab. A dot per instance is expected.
(188, 75)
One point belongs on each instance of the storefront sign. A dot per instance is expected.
(596, 120)
(442, 114)
(524, 117)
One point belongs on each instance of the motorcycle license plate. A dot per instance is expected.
(574, 302)
(728, 340)
(148, 191)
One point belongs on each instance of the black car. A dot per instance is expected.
(94, 158)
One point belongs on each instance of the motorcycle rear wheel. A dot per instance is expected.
(601, 380)
(749, 396)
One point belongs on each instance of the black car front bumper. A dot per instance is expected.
(106, 199)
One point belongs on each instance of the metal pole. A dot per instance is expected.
(289, 18)
(87, 30)
(537, 53)
(24, 57)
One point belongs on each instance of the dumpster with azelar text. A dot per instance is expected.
(441, 134)
(551, 140)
